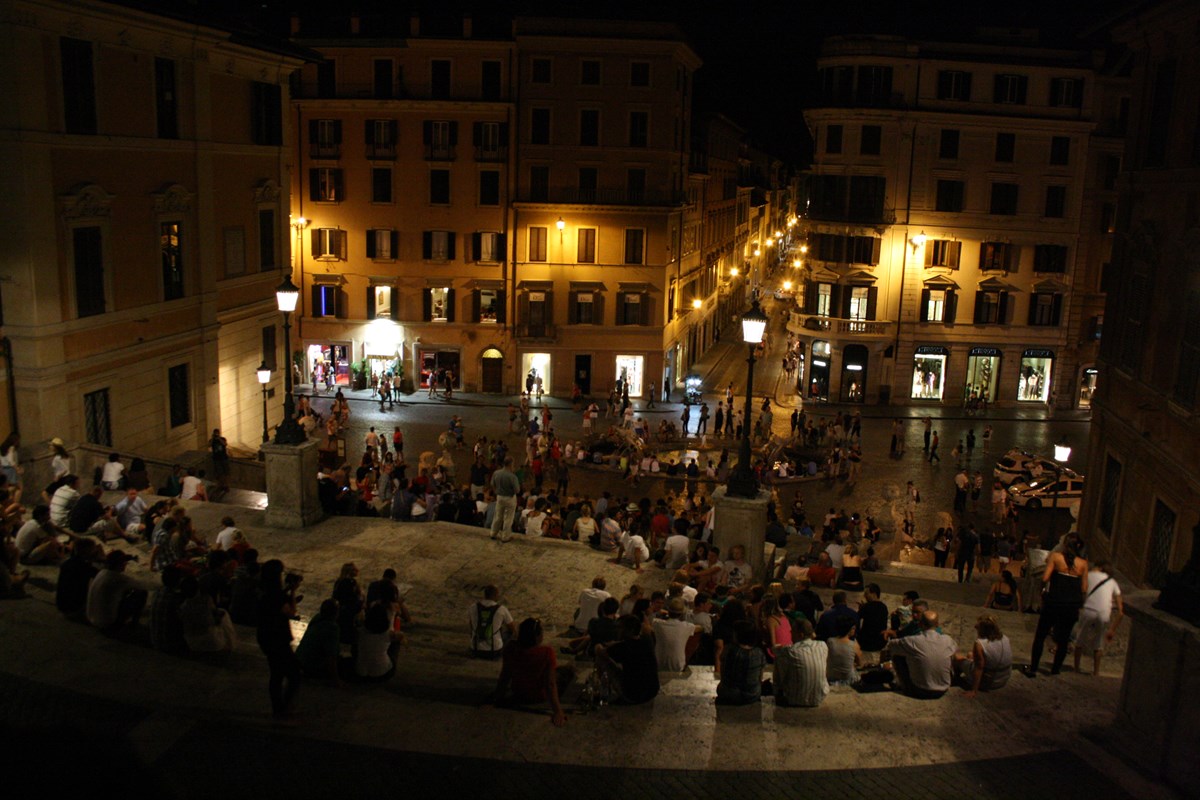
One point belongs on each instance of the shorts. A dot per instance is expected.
(1088, 634)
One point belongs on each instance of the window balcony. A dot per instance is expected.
(491, 154)
(849, 329)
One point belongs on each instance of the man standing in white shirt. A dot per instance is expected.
(589, 603)
(671, 637)
(1097, 622)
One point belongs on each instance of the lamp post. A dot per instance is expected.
(289, 431)
(742, 481)
(1062, 454)
(264, 377)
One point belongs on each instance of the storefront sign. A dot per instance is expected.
(537, 297)
(985, 351)
(932, 350)
(1038, 353)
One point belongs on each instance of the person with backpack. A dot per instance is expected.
(491, 625)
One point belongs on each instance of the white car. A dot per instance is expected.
(1040, 492)
(1019, 465)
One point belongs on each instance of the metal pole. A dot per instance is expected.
(289, 431)
(742, 482)
(266, 432)
(1054, 507)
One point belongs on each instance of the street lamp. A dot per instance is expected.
(289, 431)
(742, 482)
(1062, 454)
(560, 225)
(264, 377)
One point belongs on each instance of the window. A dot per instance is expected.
(270, 350)
(1004, 199)
(268, 249)
(588, 177)
(179, 395)
(935, 305)
(327, 78)
(1056, 201)
(1110, 168)
(632, 309)
(171, 254)
(833, 139)
(490, 80)
(863, 249)
(859, 302)
(266, 114)
(950, 196)
(491, 140)
(942, 253)
(539, 183)
(489, 188)
(948, 143)
(488, 246)
(383, 72)
(639, 73)
(635, 183)
(381, 185)
(381, 138)
(326, 301)
(440, 305)
(537, 243)
(325, 185)
(1109, 495)
(491, 305)
(539, 126)
(635, 245)
(995, 255)
(233, 240)
(329, 244)
(540, 72)
(78, 85)
(583, 312)
(437, 246)
(871, 140)
(1159, 124)
(1050, 258)
(1162, 536)
(1187, 369)
(97, 423)
(1006, 145)
(325, 138)
(166, 101)
(1010, 89)
(1060, 150)
(953, 85)
(1066, 92)
(441, 138)
(823, 305)
(439, 79)
(589, 72)
(382, 244)
(586, 246)
(874, 85)
(1044, 308)
(439, 187)
(1108, 218)
(989, 308)
(639, 128)
(88, 255)
(382, 301)
(836, 85)
(589, 127)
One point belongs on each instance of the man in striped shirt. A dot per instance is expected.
(800, 669)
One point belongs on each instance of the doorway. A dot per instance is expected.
(583, 373)
(492, 373)
(854, 373)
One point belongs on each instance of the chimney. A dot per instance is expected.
(294, 24)
(414, 25)
(355, 23)
(467, 26)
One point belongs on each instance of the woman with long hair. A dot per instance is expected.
(989, 664)
(1004, 595)
(1065, 587)
(851, 577)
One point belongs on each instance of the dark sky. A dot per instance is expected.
(758, 56)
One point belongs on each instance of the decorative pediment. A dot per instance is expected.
(940, 282)
(88, 200)
(996, 285)
(266, 192)
(174, 199)
(860, 277)
(1050, 285)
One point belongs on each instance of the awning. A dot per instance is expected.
(637, 286)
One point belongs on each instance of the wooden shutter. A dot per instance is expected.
(453, 133)
(475, 306)
(1002, 309)
(427, 304)
(597, 308)
(395, 237)
(476, 133)
(929, 248)
(427, 132)
(339, 189)
(924, 305)
(370, 302)
(340, 238)
(950, 307)
(450, 237)
(1032, 309)
(501, 308)
(369, 132)
(314, 185)
(316, 300)
(370, 244)
(395, 302)
(1013, 264)
(523, 309)
(314, 131)
(573, 308)
(835, 299)
(876, 244)
(503, 134)
(341, 304)
(1056, 309)
(621, 308)
(952, 254)
(502, 247)
(847, 296)
(980, 297)
(810, 297)
(645, 308)
(427, 245)
(314, 242)
(476, 245)
(873, 299)
(450, 305)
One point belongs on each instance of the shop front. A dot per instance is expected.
(1033, 384)
(431, 360)
(1087, 386)
(383, 347)
(328, 364)
(630, 370)
(854, 373)
(818, 380)
(983, 372)
(929, 372)
(535, 373)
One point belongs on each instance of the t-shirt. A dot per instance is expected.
(112, 473)
(63, 501)
(635, 546)
(533, 523)
(30, 535)
(928, 655)
(589, 606)
(227, 537)
(799, 673)
(836, 550)
(670, 639)
(191, 485)
(639, 669)
(87, 510)
(677, 551)
(873, 620)
(529, 668)
(1100, 598)
(505, 483)
(373, 660)
(501, 619)
(104, 597)
(737, 574)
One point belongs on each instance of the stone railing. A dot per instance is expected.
(799, 322)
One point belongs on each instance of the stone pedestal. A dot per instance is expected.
(292, 500)
(741, 520)
(1159, 717)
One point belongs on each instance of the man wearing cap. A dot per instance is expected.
(114, 599)
(672, 637)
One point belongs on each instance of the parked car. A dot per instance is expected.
(1040, 492)
(1018, 464)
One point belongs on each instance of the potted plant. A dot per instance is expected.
(358, 374)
